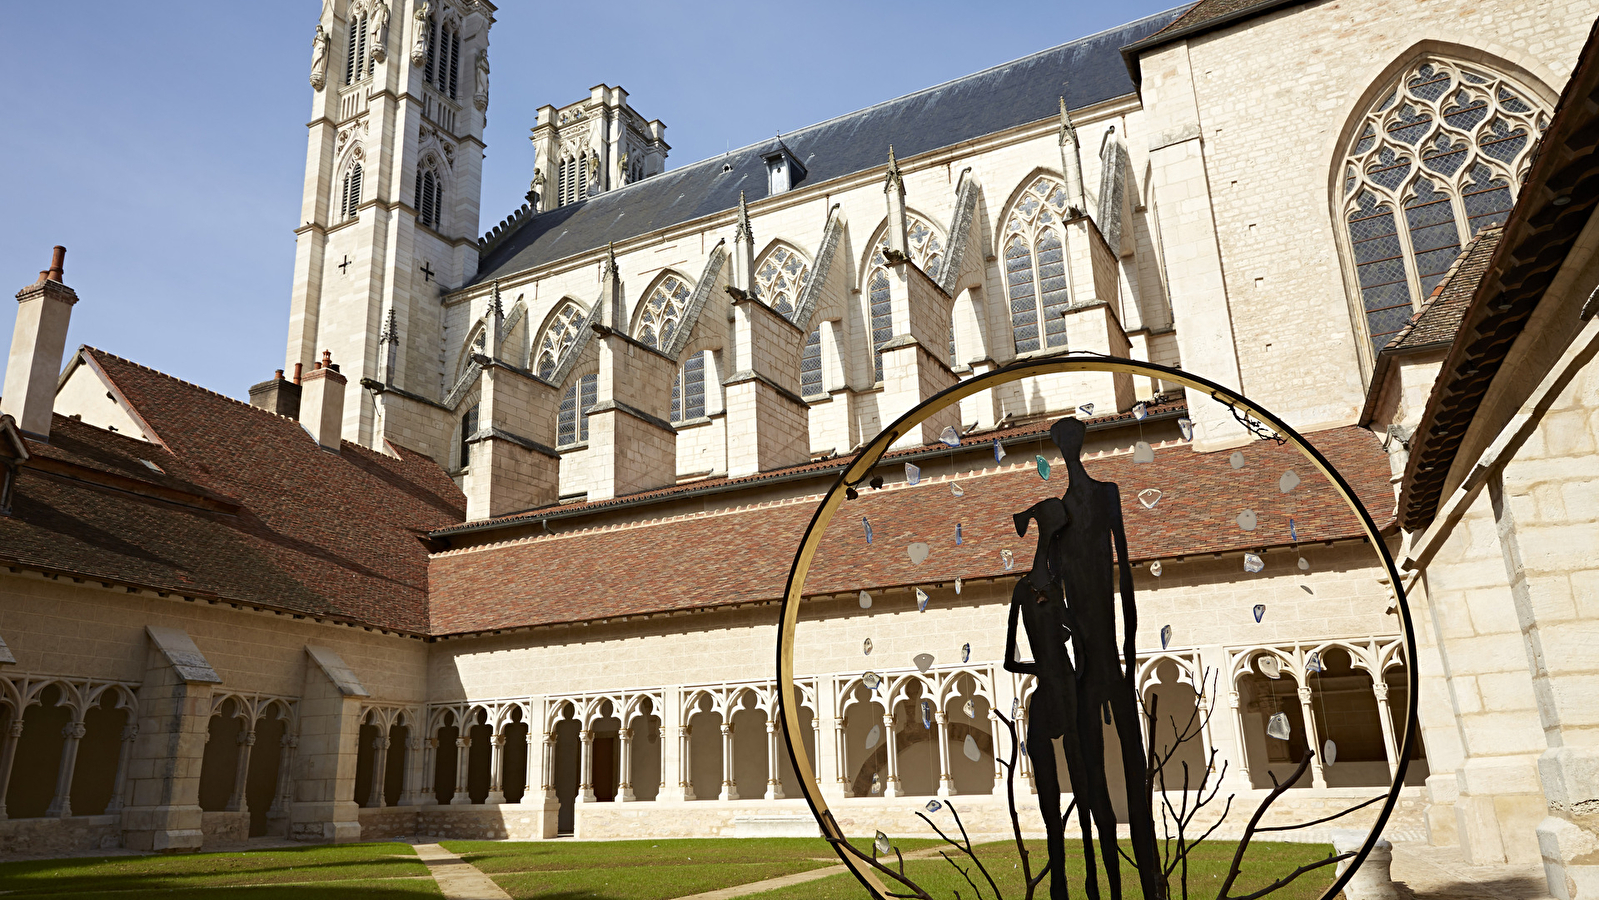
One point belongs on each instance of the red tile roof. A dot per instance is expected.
(707, 560)
(247, 508)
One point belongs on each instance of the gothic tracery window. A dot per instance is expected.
(572, 421)
(1439, 158)
(927, 251)
(688, 390)
(663, 310)
(558, 336)
(779, 279)
(1035, 268)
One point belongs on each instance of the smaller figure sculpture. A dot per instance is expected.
(319, 58)
(621, 166)
(594, 174)
(419, 46)
(480, 97)
(380, 31)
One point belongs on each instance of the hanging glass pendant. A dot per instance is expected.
(881, 841)
(921, 600)
(999, 451)
(1278, 727)
(1270, 667)
(1247, 520)
(970, 709)
(1086, 409)
(913, 474)
(1260, 612)
(871, 680)
(957, 587)
(958, 540)
(1288, 482)
(1008, 558)
(873, 736)
(934, 806)
(877, 788)
(1293, 534)
(966, 653)
(1043, 467)
(866, 646)
(1329, 753)
(1237, 459)
(923, 661)
(1143, 453)
(1304, 564)
(1015, 707)
(949, 436)
(1187, 428)
(1149, 497)
(866, 600)
(1253, 563)
(868, 527)
(972, 751)
(927, 714)
(1313, 662)
(1154, 567)
(955, 488)
(1140, 412)
(1165, 636)
(918, 552)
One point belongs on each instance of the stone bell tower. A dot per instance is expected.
(389, 218)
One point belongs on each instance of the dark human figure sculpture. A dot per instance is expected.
(1082, 548)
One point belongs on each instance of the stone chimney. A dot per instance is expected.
(43, 312)
(322, 402)
(277, 394)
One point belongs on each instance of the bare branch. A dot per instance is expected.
(1254, 823)
(1283, 882)
(1325, 818)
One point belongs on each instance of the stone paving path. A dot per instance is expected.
(1423, 872)
(782, 881)
(457, 878)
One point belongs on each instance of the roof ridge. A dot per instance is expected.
(187, 384)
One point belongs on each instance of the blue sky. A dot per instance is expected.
(164, 143)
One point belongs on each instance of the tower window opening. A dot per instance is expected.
(350, 197)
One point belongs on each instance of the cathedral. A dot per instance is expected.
(499, 551)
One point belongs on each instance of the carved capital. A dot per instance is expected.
(1380, 689)
(15, 730)
(247, 738)
(73, 730)
(1304, 695)
(129, 732)
(463, 742)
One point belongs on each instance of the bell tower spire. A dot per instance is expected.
(389, 217)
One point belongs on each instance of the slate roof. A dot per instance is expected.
(245, 508)
(1205, 16)
(716, 559)
(1005, 96)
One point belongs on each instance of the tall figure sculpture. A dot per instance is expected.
(1088, 554)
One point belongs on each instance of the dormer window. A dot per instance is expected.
(783, 170)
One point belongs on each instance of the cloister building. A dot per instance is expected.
(498, 552)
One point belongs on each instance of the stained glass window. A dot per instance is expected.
(558, 335)
(1438, 160)
(688, 390)
(779, 278)
(1035, 267)
(572, 425)
(811, 365)
(926, 251)
(663, 309)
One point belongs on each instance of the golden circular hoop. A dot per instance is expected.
(867, 458)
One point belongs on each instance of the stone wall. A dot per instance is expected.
(57, 837)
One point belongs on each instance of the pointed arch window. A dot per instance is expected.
(572, 422)
(1035, 268)
(688, 390)
(558, 337)
(350, 194)
(779, 279)
(1439, 158)
(663, 310)
(429, 197)
(811, 365)
(927, 251)
(443, 64)
(358, 62)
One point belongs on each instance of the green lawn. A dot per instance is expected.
(1265, 863)
(642, 870)
(375, 871)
